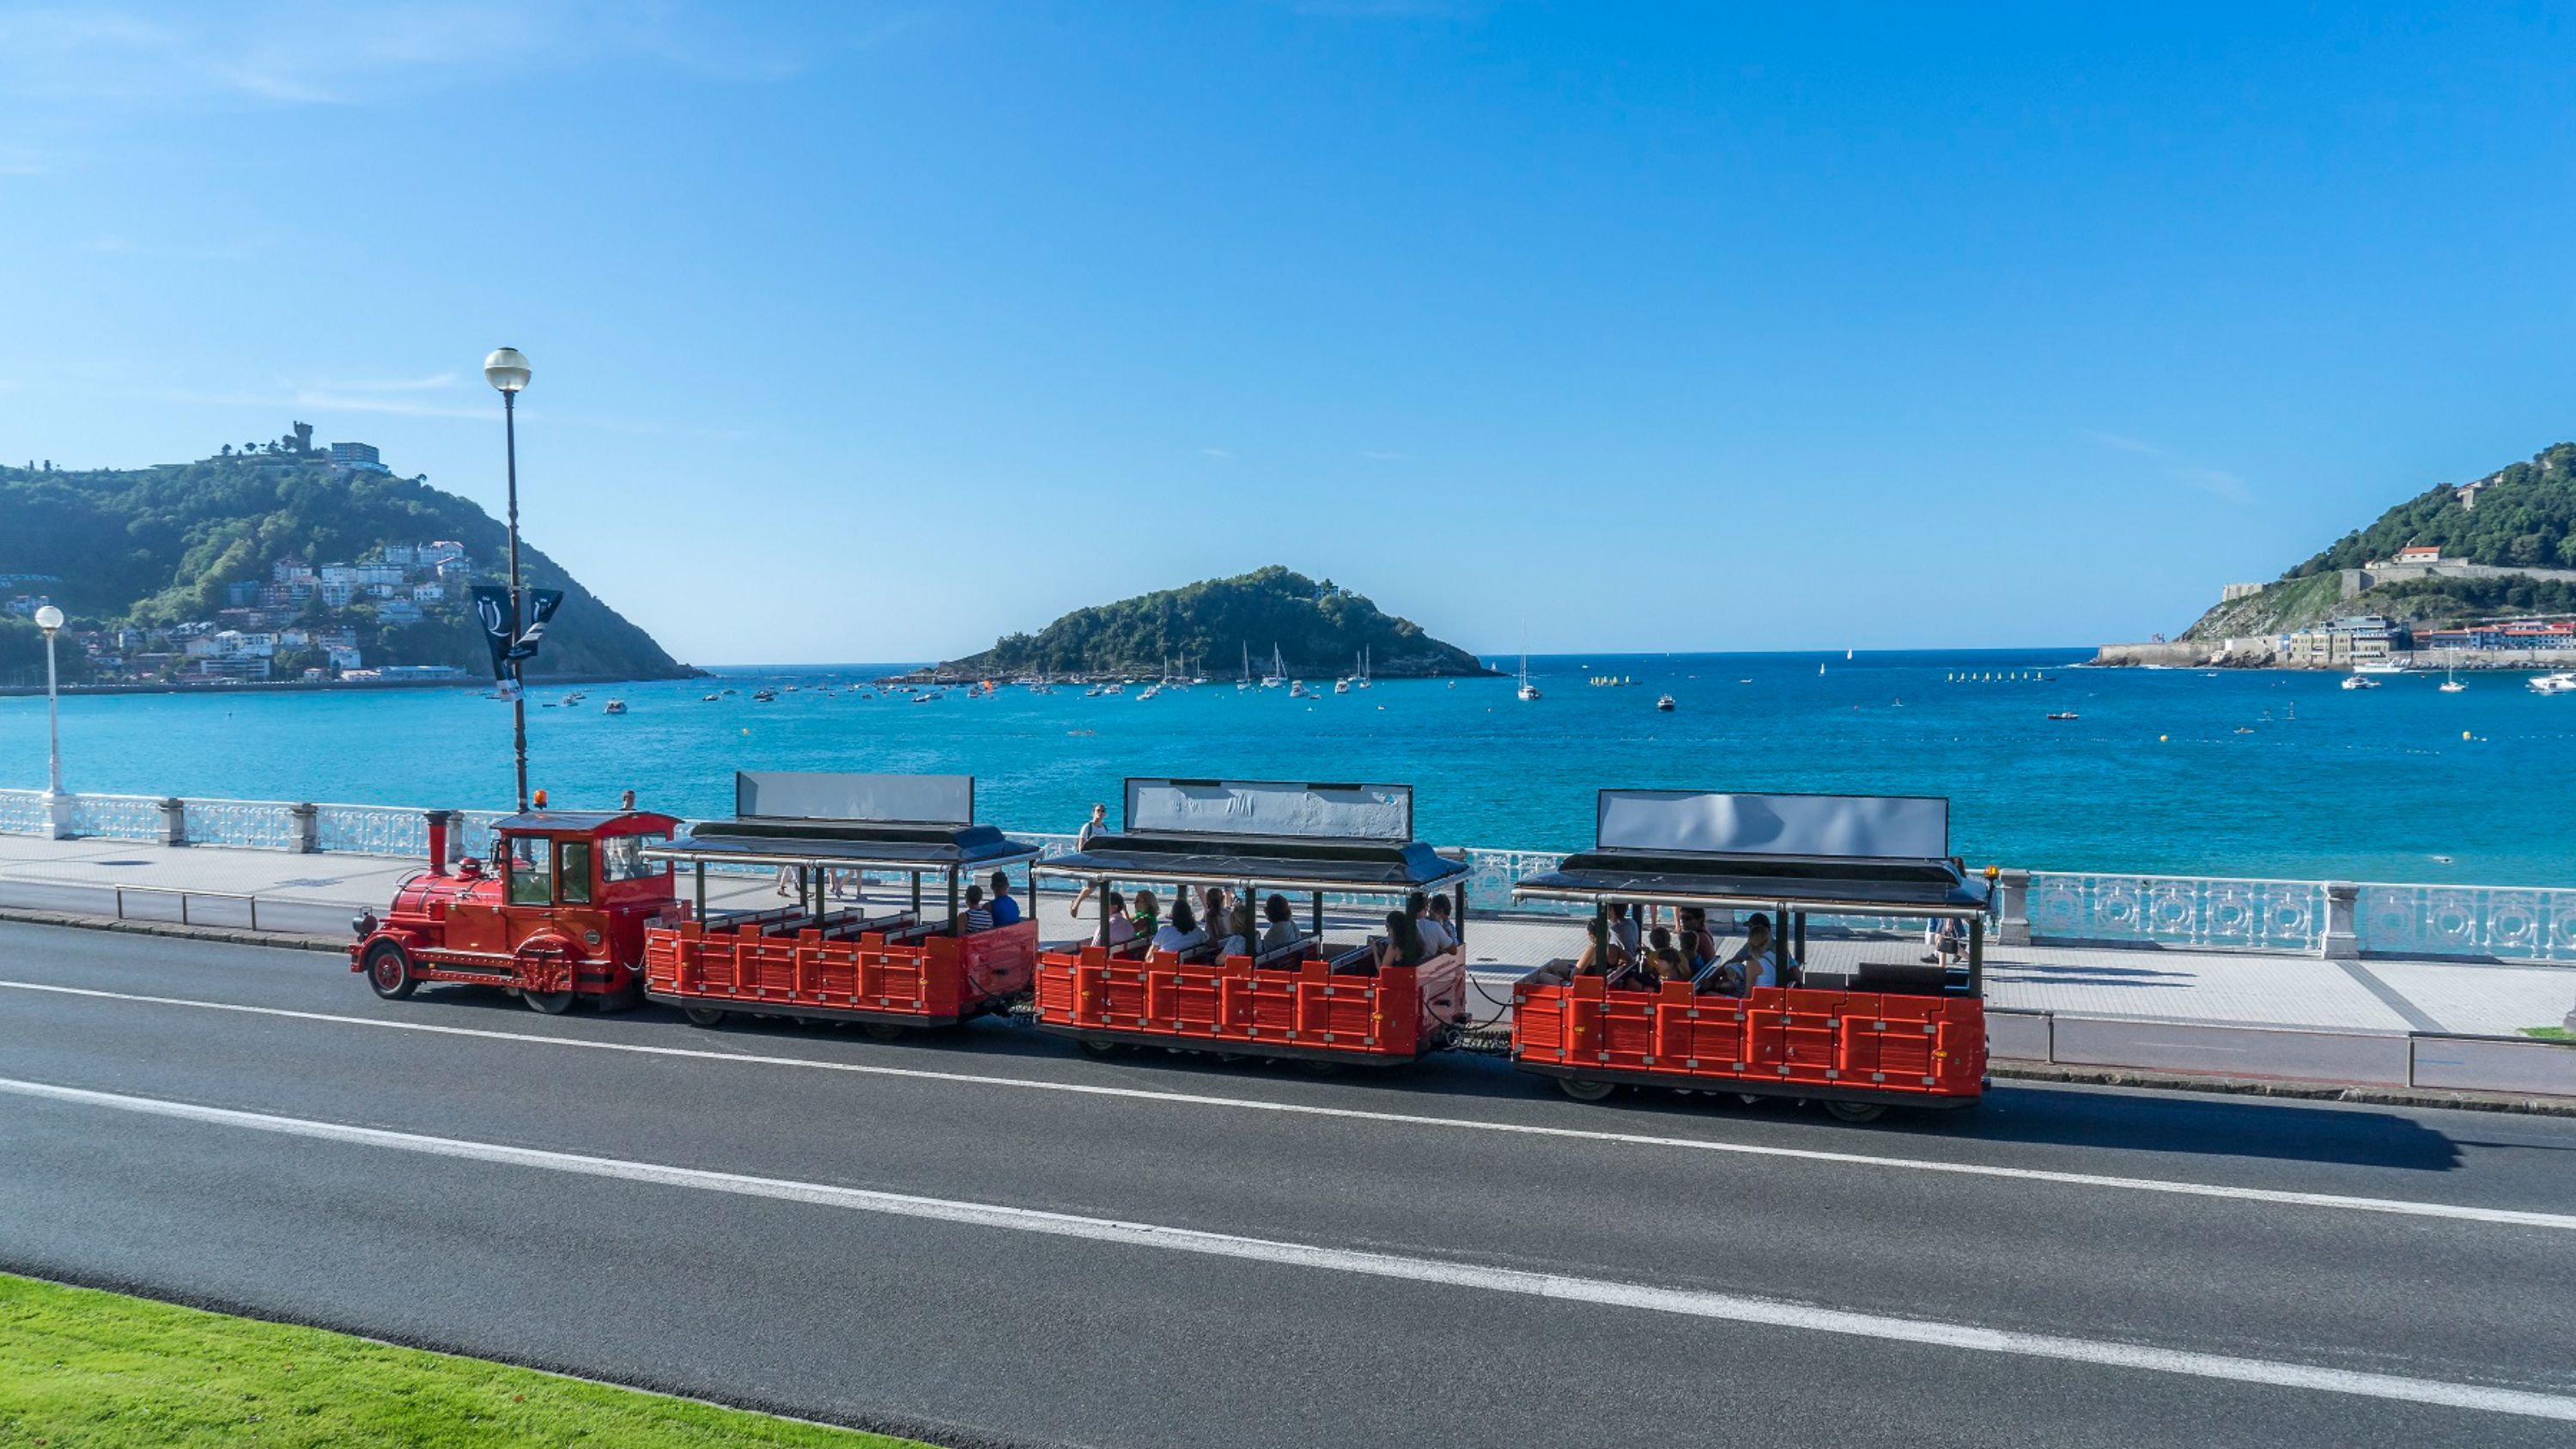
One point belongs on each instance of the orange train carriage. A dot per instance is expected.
(559, 914)
(1859, 1039)
(1303, 998)
(887, 968)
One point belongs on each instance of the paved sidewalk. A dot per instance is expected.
(320, 892)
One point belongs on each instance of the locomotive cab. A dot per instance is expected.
(558, 912)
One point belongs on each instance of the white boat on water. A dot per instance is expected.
(1665, 704)
(1278, 674)
(1527, 691)
(2562, 682)
(2381, 666)
(2359, 681)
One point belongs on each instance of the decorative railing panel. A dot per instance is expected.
(117, 817)
(248, 824)
(2505, 923)
(22, 812)
(371, 830)
(2254, 915)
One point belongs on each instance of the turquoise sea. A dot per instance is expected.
(2177, 771)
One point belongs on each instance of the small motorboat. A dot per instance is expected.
(1664, 703)
(2063, 714)
(614, 706)
(710, 698)
(764, 696)
(2359, 681)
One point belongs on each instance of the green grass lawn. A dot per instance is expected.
(82, 1368)
(2550, 1033)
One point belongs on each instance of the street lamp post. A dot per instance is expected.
(58, 806)
(507, 371)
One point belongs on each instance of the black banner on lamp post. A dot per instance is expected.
(492, 610)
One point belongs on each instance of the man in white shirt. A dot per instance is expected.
(1437, 937)
(1092, 829)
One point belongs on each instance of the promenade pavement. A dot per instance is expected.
(318, 893)
(988, 1241)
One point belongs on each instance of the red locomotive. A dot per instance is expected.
(559, 913)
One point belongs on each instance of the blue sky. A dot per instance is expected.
(869, 332)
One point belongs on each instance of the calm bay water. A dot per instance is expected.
(2237, 772)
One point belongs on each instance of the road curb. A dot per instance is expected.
(2303, 1091)
(229, 935)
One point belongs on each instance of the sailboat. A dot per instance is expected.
(1368, 657)
(1278, 674)
(2451, 680)
(1527, 691)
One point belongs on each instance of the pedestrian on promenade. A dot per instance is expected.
(626, 801)
(1092, 829)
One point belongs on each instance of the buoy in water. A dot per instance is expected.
(2160, 739)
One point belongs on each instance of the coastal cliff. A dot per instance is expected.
(1320, 630)
(257, 566)
(2497, 546)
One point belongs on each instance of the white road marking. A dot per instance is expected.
(1735, 1308)
(2514, 1217)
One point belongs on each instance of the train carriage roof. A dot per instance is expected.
(1828, 854)
(892, 822)
(1294, 835)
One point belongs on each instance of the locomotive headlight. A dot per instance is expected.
(590, 938)
(363, 923)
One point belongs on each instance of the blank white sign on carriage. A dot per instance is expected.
(831, 795)
(1874, 827)
(1274, 808)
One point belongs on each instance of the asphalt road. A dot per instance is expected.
(986, 1236)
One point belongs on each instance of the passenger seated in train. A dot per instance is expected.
(978, 916)
(1238, 930)
(1403, 943)
(1183, 933)
(1005, 911)
(1755, 963)
(1120, 927)
(1147, 919)
(1437, 937)
(1698, 944)
(1283, 925)
(1212, 912)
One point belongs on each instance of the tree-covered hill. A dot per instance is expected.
(2524, 517)
(1207, 627)
(159, 548)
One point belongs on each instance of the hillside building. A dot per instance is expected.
(2347, 642)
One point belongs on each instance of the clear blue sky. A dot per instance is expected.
(870, 332)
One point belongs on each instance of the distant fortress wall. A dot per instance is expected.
(2188, 653)
(2356, 580)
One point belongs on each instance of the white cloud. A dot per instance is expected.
(2216, 482)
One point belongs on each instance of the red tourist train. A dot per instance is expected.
(1862, 1038)
(1285, 992)
(588, 904)
(887, 970)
